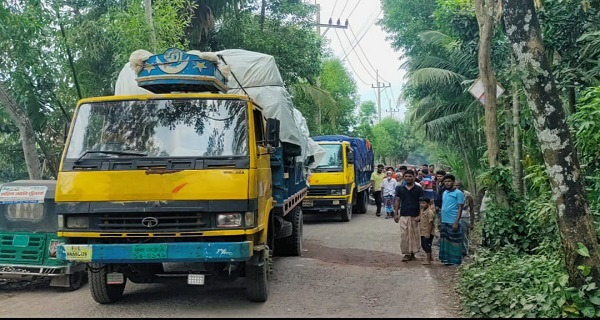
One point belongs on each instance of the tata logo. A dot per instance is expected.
(149, 222)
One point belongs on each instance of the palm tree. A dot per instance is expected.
(436, 91)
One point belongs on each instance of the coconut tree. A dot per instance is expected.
(436, 91)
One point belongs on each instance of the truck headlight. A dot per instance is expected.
(229, 220)
(250, 219)
(338, 192)
(61, 222)
(78, 222)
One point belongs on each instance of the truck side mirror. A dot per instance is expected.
(273, 132)
(66, 131)
(350, 157)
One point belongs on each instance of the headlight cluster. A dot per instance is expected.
(236, 219)
(73, 222)
(338, 192)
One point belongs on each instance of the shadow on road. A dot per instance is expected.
(333, 217)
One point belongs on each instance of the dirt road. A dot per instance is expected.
(348, 269)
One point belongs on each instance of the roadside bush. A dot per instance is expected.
(586, 126)
(523, 223)
(507, 283)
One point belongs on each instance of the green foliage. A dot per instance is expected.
(403, 20)
(286, 35)
(507, 283)
(525, 223)
(128, 30)
(392, 140)
(366, 117)
(585, 124)
(338, 81)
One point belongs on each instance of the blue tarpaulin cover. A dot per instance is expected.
(363, 155)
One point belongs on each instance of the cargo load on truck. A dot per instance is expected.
(256, 75)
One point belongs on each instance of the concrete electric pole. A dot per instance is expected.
(378, 87)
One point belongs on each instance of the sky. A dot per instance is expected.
(372, 53)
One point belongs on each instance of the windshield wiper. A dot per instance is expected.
(123, 153)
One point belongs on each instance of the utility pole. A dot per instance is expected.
(329, 25)
(378, 87)
(391, 110)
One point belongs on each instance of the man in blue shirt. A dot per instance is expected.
(451, 235)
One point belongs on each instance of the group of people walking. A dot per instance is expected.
(427, 206)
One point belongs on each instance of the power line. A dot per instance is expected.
(356, 5)
(363, 52)
(332, 11)
(359, 60)
(362, 35)
(343, 9)
(351, 67)
(386, 93)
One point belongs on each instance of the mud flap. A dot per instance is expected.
(60, 281)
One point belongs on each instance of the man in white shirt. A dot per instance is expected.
(388, 191)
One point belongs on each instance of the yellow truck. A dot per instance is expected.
(189, 181)
(341, 180)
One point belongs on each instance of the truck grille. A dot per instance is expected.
(318, 192)
(31, 253)
(163, 221)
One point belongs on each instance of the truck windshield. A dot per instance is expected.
(333, 159)
(160, 128)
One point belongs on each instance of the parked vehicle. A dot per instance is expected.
(28, 239)
(188, 172)
(341, 180)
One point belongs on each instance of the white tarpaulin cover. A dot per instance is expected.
(259, 76)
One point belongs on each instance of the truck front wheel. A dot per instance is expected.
(257, 288)
(347, 213)
(363, 201)
(103, 292)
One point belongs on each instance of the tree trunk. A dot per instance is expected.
(484, 10)
(148, 11)
(508, 132)
(518, 146)
(26, 132)
(468, 170)
(263, 6)
(572, 100)
(562, 163)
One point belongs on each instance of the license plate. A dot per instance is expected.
(81, 253)
(307, 203)
(20, 240)
(150, 251)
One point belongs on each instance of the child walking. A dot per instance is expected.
(427, 227)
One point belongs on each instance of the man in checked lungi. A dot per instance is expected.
(407, 213)
(451, 233)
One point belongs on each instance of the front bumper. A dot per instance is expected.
(15, 270)
(324, 205)
(157, 252)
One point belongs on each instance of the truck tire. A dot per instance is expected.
(292, 245)
(347, 213)
(363, 201)
(257, 289)
(76, 280)
(102, 292)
